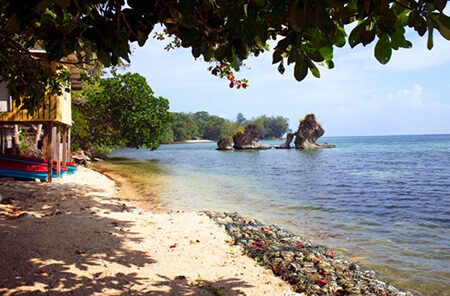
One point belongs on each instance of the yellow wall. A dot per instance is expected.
(58, 109)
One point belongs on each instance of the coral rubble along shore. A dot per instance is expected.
(310, 269)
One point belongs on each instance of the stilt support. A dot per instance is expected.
(58, 151)
(69, 152)
(64, 145)
(50, 152)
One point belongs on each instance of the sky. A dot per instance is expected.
(359, 97)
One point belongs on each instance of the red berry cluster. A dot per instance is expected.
(222, 69)
(158, 36)
(226, 71)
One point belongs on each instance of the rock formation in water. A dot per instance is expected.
(307, 134)
(248, 138)
(287, 144)
(225, 143)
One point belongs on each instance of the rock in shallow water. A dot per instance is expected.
(225, 144)
(248, 138)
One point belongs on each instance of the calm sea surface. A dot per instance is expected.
(385, 198)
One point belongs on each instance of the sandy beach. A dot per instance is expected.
(78, 236)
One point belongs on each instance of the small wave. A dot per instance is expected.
(381, 174)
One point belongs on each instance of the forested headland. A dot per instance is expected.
(202, 125)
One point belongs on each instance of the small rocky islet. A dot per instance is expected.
(310, 269)
(308, 132)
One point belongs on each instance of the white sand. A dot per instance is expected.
(100, 245)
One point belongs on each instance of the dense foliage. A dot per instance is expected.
(271, 127)
(189, 126)
(117, 112)
(221, 30)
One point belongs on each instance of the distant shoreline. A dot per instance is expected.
(191, 141)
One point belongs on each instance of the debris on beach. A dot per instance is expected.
(310, 269)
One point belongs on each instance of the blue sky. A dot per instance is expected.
(409, 95)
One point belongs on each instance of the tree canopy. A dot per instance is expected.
(271, 127)
(188, 126)
(218, 30)
(117, 112)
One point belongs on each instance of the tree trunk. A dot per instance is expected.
(16, 141)
(38, 134)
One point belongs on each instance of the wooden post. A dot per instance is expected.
(69, 152)
(64, 145)
(45, 143)
(15, 140)
(38, 134)
(58, 151)
(50, 152)
(3, 140)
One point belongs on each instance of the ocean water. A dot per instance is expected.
(385, 198)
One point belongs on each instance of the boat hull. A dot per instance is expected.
(29, 171)
(71, 167)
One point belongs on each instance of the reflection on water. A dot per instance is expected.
(385, 198)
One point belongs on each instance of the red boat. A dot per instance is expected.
(25, 170)
(71, 167)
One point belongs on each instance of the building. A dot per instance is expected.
(55, 117)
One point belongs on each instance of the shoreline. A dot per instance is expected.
(79, 236)
(190, 141)
(232, 254)
(337, 272)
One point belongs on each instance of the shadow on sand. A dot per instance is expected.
(78, 252)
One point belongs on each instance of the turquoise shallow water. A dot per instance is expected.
(384, 198)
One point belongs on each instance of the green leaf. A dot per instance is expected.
(367, 37)
(314, 70)
(412, 18)
(355, 35)
(440, 4)
(142, 38)
(329, 64)
(442, 25)
(294, 55)
(383, 50)
(316, 56)
(430, 36)
(340, 39)
(420, 26)
(196, 51)
(208, 53)
(276, 57)
(300, 70)
(398, 38)
(326, 52)
(281, 68)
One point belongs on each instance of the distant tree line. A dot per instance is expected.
(202, 125)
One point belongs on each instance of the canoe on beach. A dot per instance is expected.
(24, 170)
(71, 167)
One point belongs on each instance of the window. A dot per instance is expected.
(66, 91)
(5, 98)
